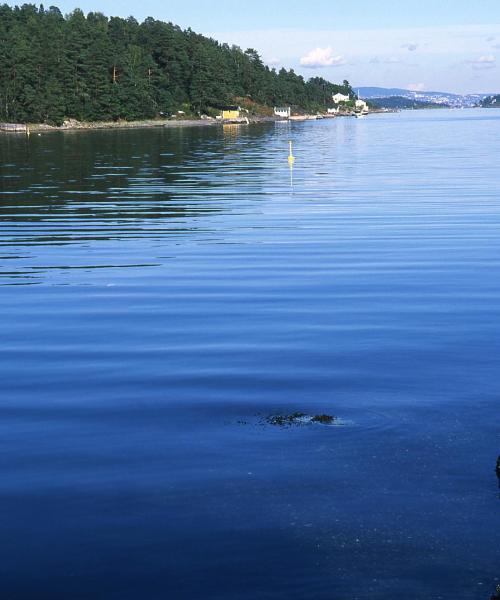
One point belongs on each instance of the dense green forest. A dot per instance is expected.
(91, 67)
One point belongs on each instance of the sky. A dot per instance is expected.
(442, 45)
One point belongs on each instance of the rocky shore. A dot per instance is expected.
(75, 125)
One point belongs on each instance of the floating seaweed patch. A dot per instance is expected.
(299, 418)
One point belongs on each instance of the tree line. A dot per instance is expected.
(491, 101)
(94, 68)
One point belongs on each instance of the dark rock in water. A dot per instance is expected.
(496, 596)
(498, 467)
(298, 418)
(324, 419)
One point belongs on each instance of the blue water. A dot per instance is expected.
(163, 291)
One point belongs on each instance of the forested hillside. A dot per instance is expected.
(93, 68)
(399, 102)
(491, 101)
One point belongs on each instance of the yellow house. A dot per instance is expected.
(231, 112)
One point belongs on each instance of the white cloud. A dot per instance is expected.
(487, 61)
(322, 57)
(442, 55)
(410, 47)
(416, 87)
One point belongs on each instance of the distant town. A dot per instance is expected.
(401, 98)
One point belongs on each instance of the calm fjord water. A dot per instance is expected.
(162, 290)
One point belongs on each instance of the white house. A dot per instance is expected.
(361, 105)
(285, 112)
(333, 111)
(338, 98)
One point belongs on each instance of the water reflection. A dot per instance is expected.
(87, 188)
(231, 132)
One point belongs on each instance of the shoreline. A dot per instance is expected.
(74, 125)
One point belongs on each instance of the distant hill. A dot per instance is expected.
(381, 92)
(398, 102)
(427, 97)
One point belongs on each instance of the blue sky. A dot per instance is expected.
(451, 45)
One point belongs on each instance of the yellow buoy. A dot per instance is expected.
(291, 157)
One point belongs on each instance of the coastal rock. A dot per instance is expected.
(71, 124)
